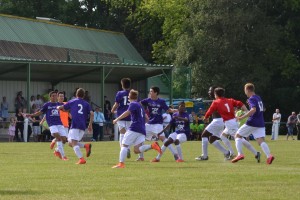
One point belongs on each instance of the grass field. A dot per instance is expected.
(30, 171)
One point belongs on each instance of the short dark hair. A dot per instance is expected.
(133, 94)
(220, 92)
(181, 103)
(155, 89)
(126, 83)
(52, 92)
(60, 93)
(80, 92)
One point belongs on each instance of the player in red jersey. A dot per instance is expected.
(225, 107)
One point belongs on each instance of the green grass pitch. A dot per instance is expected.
(30, 171)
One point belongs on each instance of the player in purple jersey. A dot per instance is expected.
(79, 110)
(136, 133)
(181, 121)
(154, 126)
(255, 125)
(55, 125)
(121, 105)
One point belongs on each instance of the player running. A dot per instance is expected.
(225, 107)
(255, 125)
(155, 105)
(181, 121)
(136, 133)
(55, 125)
(212, 133)
(121, 105)
(79, 110)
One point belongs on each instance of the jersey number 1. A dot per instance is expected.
(227, 106)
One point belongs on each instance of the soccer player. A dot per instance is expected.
(79, 110)
(255, 125)
(121, 105)
(136, 133)
(225, 107)
(64, 117)
(55, 125)
(154, 126)
(212, 133)
(182, 124)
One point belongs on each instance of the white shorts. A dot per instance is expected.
(66, 130)
(58, 129)
(36, 130)
(231, 127)
(216, 127)
(124, 124)
(178, 136)
(133, 138)
(257, 132)
(153, 130)
(75, 134)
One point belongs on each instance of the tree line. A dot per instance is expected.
(222, 42)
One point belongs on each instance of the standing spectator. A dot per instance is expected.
(20, 102)
(107, 113)
(11, 129)
(65, 97)
(276, 123)
(38, 102)
(36, 129)
(32, 101)
(298, 126)
(291, 125)
(98, 125)
(19, 125)
(4, 109)
(87, 97)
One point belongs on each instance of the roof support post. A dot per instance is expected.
(102, 71)
(171, 85)
(28, 87)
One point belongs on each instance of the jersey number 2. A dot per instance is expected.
(80, 109)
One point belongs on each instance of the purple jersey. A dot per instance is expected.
(137, 118)
(155, 108)
(52, 114)
(257, 119)
(122, 100)
(80, 110)
(181, 126)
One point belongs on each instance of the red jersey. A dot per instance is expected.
(225, 107)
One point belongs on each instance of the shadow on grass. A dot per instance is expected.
(18, 192)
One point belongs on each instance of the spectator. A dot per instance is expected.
(107, 114)
(19, 125)
(20, 102)
(38, 102)
(11, 129)
(74, 94)
(4, 109)
(36, 129)
(87, 97)
(65, 97)
(98, 125)
(298, 126)
(276, 123)
(166, 121)
(200, 129)
(200, 116)
(46, 134)
(32, 101)
(291, 125)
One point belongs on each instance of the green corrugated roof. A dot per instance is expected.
(66, 36)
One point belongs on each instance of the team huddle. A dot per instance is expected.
(135, 126)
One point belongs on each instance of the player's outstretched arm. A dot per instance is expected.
(114, 108)
(125, 114)
(166, 128)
